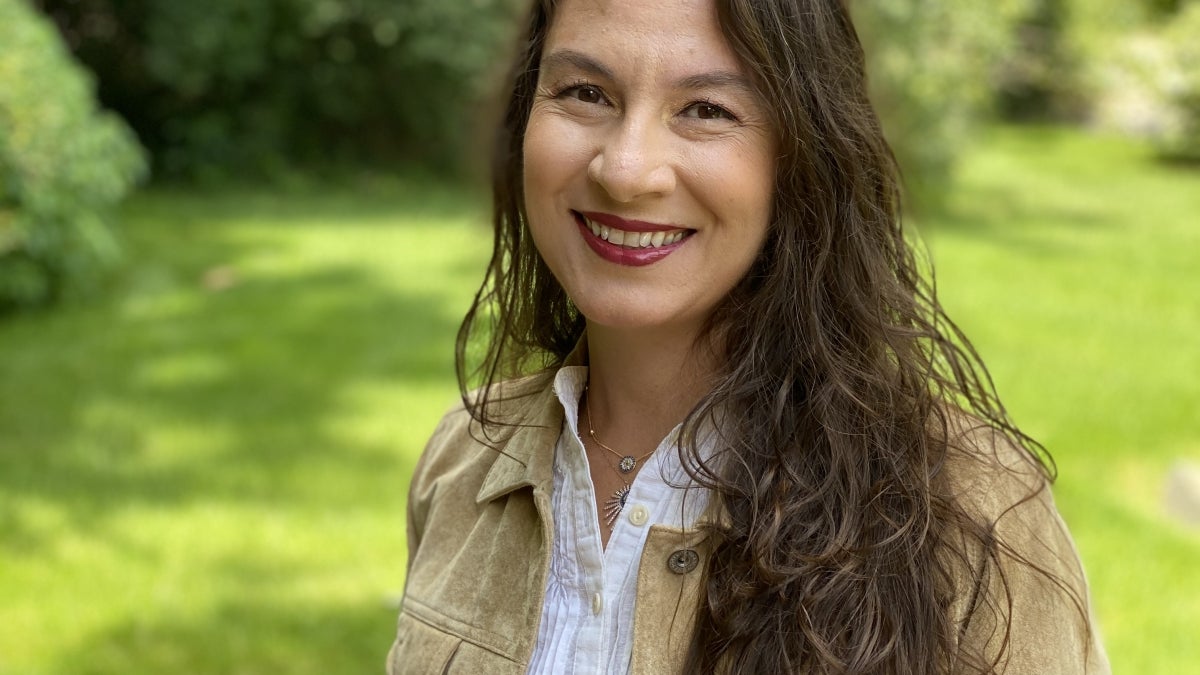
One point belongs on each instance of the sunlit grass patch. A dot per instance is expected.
(1074, 264)
(205, 471)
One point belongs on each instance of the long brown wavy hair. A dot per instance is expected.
(846, 377)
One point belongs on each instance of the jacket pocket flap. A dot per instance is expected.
(421, 649)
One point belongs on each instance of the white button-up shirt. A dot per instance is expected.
(587, 617)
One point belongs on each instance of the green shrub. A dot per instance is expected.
(1182, 88)
(232, 87)
(63, 164)
(1147, 84)
(932, 65)
(1042, 78)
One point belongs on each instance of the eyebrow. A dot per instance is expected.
(717, 79)
(569, 58)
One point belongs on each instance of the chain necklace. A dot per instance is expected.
(614, 504)
(628, 462)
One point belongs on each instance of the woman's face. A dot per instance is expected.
(649, 162)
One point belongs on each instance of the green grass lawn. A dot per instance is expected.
(205, 472)
(204, 469)
(1074, 264)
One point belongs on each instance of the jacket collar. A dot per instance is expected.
(526, 454)
(526, 457)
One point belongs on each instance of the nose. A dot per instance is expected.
(634, 161)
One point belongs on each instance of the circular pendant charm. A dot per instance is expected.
(627, 464)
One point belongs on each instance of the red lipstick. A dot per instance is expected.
(622, 255)
(628, 225)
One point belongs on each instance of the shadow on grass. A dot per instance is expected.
(1038, 186)
(170, 393)
(1007, 215)
(247, 639)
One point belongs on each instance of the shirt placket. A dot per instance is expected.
(590, 653)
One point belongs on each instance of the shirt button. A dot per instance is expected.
(638, 515)
(597, 603)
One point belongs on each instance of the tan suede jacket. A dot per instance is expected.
(479, 528)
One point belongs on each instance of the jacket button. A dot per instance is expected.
(683, 561)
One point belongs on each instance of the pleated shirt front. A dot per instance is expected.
(587, 617)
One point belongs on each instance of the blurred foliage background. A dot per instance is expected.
(236, 239)
(63, 162)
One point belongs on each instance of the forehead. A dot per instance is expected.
(668, 36)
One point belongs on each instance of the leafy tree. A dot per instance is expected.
(932, 64)
(1041, 78)
(228, 86)
(1143, 74)
(63, 165)
(1179, 86)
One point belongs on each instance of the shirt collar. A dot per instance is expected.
(526, 457)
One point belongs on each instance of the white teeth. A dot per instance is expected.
(633, 239)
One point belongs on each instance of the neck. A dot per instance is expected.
(641, 385)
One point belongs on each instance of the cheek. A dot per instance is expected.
(555, 153)
(535, 158)
(551, 161)
(755, 187)
(741, 184)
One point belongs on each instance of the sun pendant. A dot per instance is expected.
(612, 507)
(627, 464)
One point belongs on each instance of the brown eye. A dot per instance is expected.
(708, 112)
(587, 94)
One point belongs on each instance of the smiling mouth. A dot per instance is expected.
(633, 239)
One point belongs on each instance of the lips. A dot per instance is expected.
(629, 242)
(632, 233)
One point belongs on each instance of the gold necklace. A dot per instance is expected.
(628, 462)
(614, 504)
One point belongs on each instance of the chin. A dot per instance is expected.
(626, 318)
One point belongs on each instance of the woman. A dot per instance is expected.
(725, 425)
